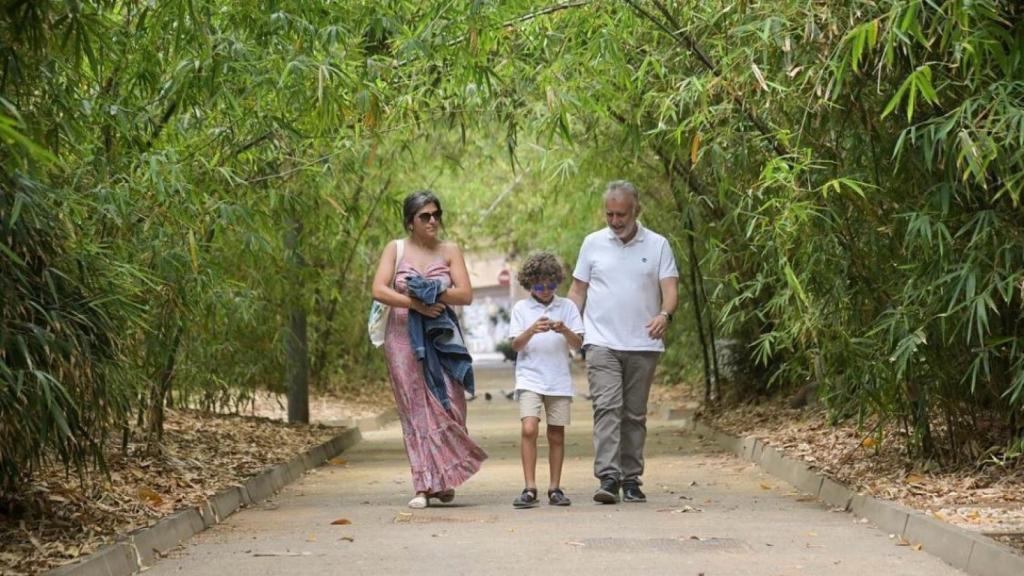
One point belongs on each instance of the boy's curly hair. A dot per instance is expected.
(540, 266)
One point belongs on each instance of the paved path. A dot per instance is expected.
(707, 513)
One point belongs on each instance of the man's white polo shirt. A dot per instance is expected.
(543, 364)
(624, 287)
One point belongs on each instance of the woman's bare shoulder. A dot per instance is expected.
(450, 252)
(450, 249)
(390, 250)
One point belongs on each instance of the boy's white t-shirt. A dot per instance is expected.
(542, 366)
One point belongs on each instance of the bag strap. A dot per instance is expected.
(400, 250)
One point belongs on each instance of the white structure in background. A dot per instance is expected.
(485, 321)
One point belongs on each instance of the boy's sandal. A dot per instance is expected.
(528, 499)
(558, 498)
(418, 501)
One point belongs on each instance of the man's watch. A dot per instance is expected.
(667, 315)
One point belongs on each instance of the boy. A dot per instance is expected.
(542, 329)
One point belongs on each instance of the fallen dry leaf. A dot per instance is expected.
(760, 77)
(682, 510)
(337, 461)
(341, 522)
(149, 495)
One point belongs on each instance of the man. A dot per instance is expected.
(625, 285)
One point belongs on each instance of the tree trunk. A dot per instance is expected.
(298, 366)
(698, 316)
(296, 340)
(715, 385)
(158, 395)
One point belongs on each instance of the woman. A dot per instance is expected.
(441, 453)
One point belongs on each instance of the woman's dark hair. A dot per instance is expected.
(540, 266)
(415, 202)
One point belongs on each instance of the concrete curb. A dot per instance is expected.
(141, 548)
(972, 553)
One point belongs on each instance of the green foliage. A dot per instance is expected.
(505, 348)
(189, 137)
(64, 301)
(843, 182)
(880, 254)
(853, 173)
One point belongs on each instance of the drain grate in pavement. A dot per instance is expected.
(692, 544)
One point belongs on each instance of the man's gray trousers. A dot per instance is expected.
(620, 382)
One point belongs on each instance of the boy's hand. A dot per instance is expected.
(541, 325)
(557, 326)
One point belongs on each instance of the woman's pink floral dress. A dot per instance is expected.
(441, 453)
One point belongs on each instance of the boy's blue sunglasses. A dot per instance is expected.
(541, 287)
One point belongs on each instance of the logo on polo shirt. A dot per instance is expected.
(644, 260)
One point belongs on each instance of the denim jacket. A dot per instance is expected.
(437, 342)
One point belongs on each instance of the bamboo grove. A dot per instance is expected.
(194, 193)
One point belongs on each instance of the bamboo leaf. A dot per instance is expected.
(193, 252)
(895, 100)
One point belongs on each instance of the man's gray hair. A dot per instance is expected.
(617, 188)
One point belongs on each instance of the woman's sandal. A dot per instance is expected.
(445, 496)
(419, 501)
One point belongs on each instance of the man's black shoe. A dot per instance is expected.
(608, 492)
(631, 492)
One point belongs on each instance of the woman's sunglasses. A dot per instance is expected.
(542, 287)
(426, 217)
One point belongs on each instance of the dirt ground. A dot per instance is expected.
(328, 409)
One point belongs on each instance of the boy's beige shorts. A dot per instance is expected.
(556, 408)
